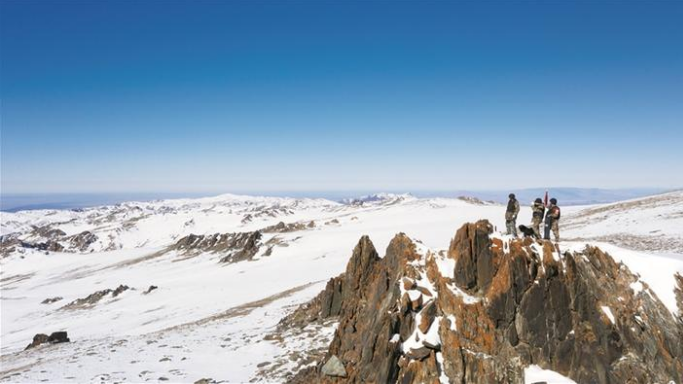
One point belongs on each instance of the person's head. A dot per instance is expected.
(511, 196)
(538, 200)
(553, 201)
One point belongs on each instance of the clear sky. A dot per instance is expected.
(349, 95)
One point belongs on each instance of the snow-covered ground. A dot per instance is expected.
(535, 374)
(649, 224)
(209, 319)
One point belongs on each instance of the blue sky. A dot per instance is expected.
(296, 95)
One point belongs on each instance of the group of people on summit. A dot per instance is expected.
(542, 212)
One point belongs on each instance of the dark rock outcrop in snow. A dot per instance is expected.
(10, 243)
(82, 241)
(48, 232)
(281, 227)
(150, 289)
(487, 309)
(51, 300)
(95, 297)
(54, 338)
(234, 247)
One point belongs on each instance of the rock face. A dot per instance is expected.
(488, 308)
(233, 246)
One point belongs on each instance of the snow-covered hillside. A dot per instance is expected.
(649, 224)
(208, 318)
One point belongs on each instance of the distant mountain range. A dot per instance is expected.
(566, 196)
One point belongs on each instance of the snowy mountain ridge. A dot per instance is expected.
(206, 309)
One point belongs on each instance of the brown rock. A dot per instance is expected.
(513, 307)
(408, 284)
(427, 316)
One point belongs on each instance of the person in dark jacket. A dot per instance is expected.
(552, 220)
(511, 215)
(538, 210)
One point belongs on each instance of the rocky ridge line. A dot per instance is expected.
(488, 308)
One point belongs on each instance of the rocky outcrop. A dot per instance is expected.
(48, 232)
(95, 297)
(233, 247)
(54, 338)
(150, 289)
(10, 243)
(82, 241)
(51, 300)
(488, 308)
(281, 227)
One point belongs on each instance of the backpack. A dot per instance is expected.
(559, 212)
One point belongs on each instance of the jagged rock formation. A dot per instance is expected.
(281, 227)
(234, 246)
(487, 309)
(95, 297)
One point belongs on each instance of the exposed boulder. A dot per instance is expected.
(54, 338)
(205, 381)
(333, 367)
(489, 307)
(38, 339)
(51, 300)
(150, 289)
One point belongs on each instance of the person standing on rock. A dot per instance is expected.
(538, 210)
(552, 221)
(511, 215)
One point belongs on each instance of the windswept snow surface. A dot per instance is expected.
(208, 319)
(653, 223)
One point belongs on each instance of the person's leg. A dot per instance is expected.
(514, 227)
(508, 226)
(536, 226)
(556, 231)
